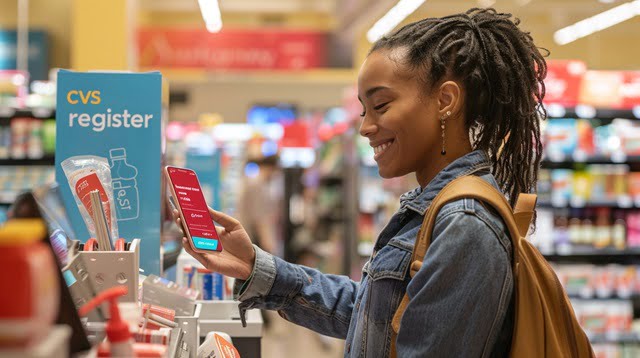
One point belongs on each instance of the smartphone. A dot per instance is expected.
(194, 213)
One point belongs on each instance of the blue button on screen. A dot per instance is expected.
(205, 244)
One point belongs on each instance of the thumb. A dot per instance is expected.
(226, 221)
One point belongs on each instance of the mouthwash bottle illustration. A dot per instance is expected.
(125, 187)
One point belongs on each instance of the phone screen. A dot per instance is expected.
(194, 209)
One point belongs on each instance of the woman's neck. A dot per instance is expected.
(435, 164)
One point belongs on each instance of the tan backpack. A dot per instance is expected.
(545, 324)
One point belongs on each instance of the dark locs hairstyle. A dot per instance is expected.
(501, 70)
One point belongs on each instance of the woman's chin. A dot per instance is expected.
(388, 173)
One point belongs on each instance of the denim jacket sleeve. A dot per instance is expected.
(459, 297)
(302, 295)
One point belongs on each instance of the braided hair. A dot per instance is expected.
(502, 72)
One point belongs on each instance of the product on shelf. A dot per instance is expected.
(610, 318)
(562, 230)
(19, 137)
(49, 136)
(561, 138)
(591, 281)
(607, 184)
(5, 141)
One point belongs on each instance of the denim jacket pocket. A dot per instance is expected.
(387, 272)
(392, 261)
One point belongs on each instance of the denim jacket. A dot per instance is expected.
(460, 300)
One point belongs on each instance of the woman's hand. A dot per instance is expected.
(237, 257)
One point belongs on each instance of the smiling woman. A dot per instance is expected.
(442, 98)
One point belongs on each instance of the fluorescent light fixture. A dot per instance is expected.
(211, 14)
(392, 18)
(597, 22)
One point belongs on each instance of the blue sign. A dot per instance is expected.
(117, 116)
(38, 53)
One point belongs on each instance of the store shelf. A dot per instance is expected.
(577, 297)
(47, 160)
(332, 180)
(625, 202)
(569, 161)
(603, 114)
(620, 339)
(596, 256)
(44, 113)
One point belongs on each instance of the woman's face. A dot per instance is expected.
(400, 119)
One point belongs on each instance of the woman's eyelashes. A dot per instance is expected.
(380, 106)
(377, 108)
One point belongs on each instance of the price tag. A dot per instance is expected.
(618, 157)
(578, 202)
(625, 201)
(564, 250)
(559, 202)
(556, 157)
(6, 111)
(42, 112)
(580, 156)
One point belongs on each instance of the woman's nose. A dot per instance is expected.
(367, 127)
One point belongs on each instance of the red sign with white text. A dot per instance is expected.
(601, 89)
(563, 82)
(630, 89)
(231, 49)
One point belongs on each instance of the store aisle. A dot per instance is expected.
(286, 340)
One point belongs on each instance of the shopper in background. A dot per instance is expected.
(443, 98)
(259, 205)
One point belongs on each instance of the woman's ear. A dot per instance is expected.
(449, 98)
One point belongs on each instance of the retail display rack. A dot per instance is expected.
(27, 146)
(587, 213)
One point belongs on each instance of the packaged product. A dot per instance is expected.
(586, 143)
(593, 317)
(28, 305)
(86, 174)
(581, 187)
(633, 184)
(562, 184)
(605, 281)
(631, 140)
(561, 138)
(633, 229)
(544, 185)
(618, 230)
(603, 140)
(625, 280)
(619, 173)
(34, 140)
(598, 182)
(602, 237)
(5, 141)
(19, 137)
(561, 230)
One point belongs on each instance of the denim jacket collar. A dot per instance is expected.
(419, 199)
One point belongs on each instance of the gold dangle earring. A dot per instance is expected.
(442, 119)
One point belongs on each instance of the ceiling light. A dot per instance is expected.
(486, 3)
(597, 23)
(211, 14)
(392, 18)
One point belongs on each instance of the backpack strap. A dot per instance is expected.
(523, 212)
(471, 187)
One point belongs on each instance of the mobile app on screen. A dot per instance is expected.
(194, 209)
